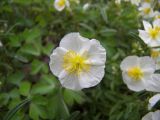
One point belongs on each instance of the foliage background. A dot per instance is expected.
(30, 29)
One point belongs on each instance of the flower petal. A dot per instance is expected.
(73, 41)
(153, 83)
(153, 100)
(147, 25)
(56, 60)
(129, 62)
(92, 77)
(135, 85)
(70, 81)
(144, 36)
(96, 53)
(147, 64)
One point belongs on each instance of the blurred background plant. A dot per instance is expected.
(30, 29)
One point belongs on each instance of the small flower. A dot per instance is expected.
(146, 10)
(135, 2)
(152, 116)
(1, 44)
(153, 100)
(137, 71)
(118, 1)
(86, 6)
(157, 15)
(61, 4)
(78, 62)
(151, 34)
(155, 54)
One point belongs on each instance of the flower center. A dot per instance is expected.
(147, 1)
(147, 10)
(153, 33)
(75, 63)
(61, 3)
(135, 73)
(155, 54)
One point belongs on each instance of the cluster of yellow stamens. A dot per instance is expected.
(75, 63)
(155, 53)
(135, 73)
(61, 3)
(154, 32)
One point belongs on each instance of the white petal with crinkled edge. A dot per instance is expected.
(153, 100)
(152, 116)
(153, 84)
(147, 64)
(92, 77)
(128, 62)
(56, 60)
(96, 53)
(59, 8)
(70, 81)
(144, 36)
(135, 85)
(73, 41)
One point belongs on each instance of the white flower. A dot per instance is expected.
(61, 4)
(1, 44)
(146, 10)
(135, 2)
(151, 34)
(152, 116)
(155, 54)
(137, 72)
(78, 62)
(157, 15)
(153, 100)
(118, 1)
(86, 6)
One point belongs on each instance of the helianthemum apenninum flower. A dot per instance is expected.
(138, 73)
(61, 4)
(151, 34)
(78, 62)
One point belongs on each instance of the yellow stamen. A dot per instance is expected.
(147, 10)
(75, 63)
(147, 1)
(153, 33)
(135, 73)
(61, 3)
(155, 53)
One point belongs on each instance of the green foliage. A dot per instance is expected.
(30, 29)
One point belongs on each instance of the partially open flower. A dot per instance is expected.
(78, 62)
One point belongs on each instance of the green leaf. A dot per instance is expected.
(41, 88)
(13, 111)
(25, 88)
(48, 49)
(57, 108)
(30, 49)
(15, 78)
(71, 96)
(36, 66)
